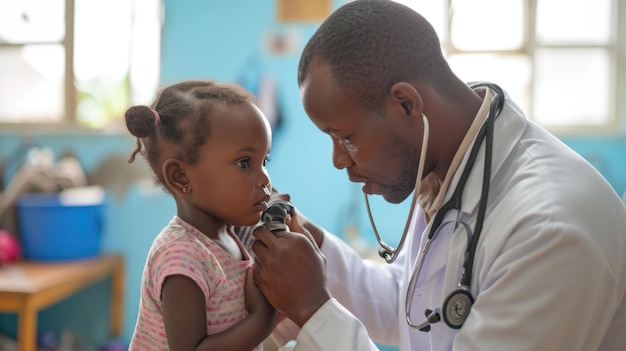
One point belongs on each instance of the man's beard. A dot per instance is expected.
(399, 191)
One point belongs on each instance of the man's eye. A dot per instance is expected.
(346, 142)
(245, 163)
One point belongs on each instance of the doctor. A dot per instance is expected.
(515, 242)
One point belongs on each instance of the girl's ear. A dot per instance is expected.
(175, 176)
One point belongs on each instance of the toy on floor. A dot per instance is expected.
(10, 250)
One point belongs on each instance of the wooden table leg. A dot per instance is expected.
(27, 327)
(117, 296)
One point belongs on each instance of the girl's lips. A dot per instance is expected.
(260, 206)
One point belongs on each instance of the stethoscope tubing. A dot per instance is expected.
(386, 251)
(485, 133)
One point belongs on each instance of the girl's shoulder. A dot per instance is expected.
(181, 239)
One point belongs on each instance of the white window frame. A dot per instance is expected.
(70, 103)
(614, 48)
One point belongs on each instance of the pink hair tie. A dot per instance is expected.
(157, 118)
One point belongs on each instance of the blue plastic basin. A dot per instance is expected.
(52, 231)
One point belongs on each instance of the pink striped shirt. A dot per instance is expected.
(181, 249)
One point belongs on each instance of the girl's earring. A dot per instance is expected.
(185, 189)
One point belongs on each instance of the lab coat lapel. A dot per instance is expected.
(437, 256)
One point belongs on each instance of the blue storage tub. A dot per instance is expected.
(51, 229)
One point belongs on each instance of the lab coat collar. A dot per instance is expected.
(508, 129)
(432, 202)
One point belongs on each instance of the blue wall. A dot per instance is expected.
(220, 40)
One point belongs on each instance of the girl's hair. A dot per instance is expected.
(178, 121)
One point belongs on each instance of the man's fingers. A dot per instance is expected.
(263, 235)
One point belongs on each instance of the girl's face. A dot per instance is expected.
(230, 181)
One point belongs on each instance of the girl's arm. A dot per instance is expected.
(184, 315)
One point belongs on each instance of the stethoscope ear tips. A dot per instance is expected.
(385, 254)
(432, 317)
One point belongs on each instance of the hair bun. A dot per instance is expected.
(140, 121)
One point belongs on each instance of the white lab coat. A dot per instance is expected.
(549, 273)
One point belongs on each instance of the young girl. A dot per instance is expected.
(208, 145)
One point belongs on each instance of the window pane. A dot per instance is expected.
(145, 51)
(101, 59)
(574, 21)
(31, 83)
(572, 87)
(32, 21)
(511, 72)
(487, 24)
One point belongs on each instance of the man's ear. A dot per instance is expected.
(406, 99)
(175, 176)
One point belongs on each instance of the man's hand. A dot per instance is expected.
(290, 270)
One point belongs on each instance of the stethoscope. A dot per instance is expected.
(457, 305)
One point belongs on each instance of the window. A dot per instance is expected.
(76, 62)
(558, 59)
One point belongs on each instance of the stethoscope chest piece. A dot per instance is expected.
(457, 307)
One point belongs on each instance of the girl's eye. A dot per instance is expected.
(266, 160)
(245, 163)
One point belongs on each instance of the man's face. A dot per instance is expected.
(365, 142)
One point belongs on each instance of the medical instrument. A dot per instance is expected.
(274, 217)
(457, 305)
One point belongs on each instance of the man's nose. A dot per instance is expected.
(341, 158)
